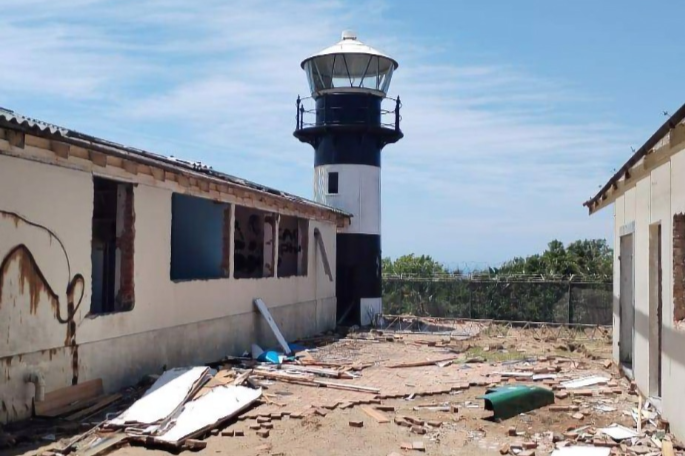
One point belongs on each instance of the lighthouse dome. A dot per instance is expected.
(349, 65)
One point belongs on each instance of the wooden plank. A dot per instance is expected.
(667, 448)
(324, 255)
(105, 445)
(375, 414)
(57, 401)
(348, 386)
(272, 324)
(423, 363)
(99, 405)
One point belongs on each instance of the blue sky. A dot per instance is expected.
(514, 111)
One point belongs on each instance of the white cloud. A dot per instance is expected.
(218, 82)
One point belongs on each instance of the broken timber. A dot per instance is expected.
(423, 363)
(310, 381)
(272, 324)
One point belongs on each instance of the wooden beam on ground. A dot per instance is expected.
(99, 405)
(423, 363)
(69, 399)
(375, 414)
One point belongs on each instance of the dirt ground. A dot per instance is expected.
(316, 421)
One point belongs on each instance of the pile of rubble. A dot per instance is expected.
(382, 374)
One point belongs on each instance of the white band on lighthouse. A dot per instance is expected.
(358, 192)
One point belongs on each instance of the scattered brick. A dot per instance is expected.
(562, 394)
(505, 449)
(530, 445)
(418, 446)
(356, 424)
(418, 430)
(267, 425)
(578, 416)
(512, 431)
(385, 408)
(263, 419)
(263, 433)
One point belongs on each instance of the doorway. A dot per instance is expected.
(655, 310)
(627, 300)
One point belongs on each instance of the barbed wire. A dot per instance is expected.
(480, 277)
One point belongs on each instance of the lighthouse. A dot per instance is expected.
(348, 120)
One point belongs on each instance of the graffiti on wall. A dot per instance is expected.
(249, 247)
(33, 281)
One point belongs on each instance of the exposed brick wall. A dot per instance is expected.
(226, 253)
(679, 267)
(125, 242)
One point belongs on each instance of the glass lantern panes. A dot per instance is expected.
(349, 71)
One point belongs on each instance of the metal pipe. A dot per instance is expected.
(38, 380)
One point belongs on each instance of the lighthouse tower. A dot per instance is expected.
(348, 120)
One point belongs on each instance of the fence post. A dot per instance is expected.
(570, 308)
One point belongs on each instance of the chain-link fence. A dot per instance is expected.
(586, 300)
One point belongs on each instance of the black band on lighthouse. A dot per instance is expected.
(358, 265)
(348, 149)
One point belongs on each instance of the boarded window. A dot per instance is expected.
(679, 267)
(112, 244)
(292, 246)
(333, 183)
(253, 256)
(198, 241)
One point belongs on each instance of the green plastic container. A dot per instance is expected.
(508, 401)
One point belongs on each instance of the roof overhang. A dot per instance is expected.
(668, 140)
(60, 136)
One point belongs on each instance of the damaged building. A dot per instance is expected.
(116, 262)
(648, 198)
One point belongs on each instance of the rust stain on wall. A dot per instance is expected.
(7, 215)
(32, 277)
(29, 276)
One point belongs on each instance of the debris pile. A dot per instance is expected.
(419, 389)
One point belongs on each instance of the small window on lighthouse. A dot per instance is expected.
(333, 183)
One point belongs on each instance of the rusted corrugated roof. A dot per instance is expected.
(32, 125)
(674, 120)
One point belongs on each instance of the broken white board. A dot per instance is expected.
(210, 410)
(514, 374)
(165, 396)
(585, 381)
(618, 432)
(582, 451)
(538, 377)
(272, 324)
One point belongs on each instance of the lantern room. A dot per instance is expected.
(349, 66)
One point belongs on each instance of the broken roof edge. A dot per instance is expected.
(659, 134)
(51, 131)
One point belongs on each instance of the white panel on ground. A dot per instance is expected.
(272, 324)
(359, 193)
(215, 407)
(167, 394)
(370, 307)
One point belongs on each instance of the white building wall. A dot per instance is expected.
(655, 198)
(172, 323)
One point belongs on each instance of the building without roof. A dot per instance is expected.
(648, 198)
(116, 262)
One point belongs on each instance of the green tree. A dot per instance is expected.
(423, 265)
